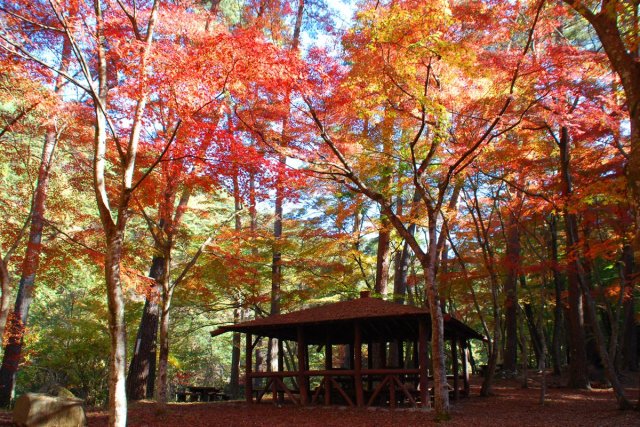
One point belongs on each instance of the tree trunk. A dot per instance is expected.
(558, 317)
(234, 382)
(5, 288)
(117, 331)
(618, 390)
(629, 326)
(382, 258)
(380, 288)
(18, 321)
(276, 264)
(494, 348)
(441, 398)
(578, 276)
(142, 364)
(163, 360)
(578, 377)
(276, 267)
(536, 337)
(510, 289)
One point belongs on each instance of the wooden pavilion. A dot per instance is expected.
(378, 324)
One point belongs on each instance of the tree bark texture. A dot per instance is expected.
(142, 365)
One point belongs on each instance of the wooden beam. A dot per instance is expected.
(422, 364)
(357, 355)
(465, 366)
(302, 364)
(248, 380)
(378, 389)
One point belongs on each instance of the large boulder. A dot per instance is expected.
(35, 409)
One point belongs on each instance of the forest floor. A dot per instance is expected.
(511, 405)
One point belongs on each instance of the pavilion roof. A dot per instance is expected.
(379, 319)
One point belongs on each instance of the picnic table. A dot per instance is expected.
(200, 394)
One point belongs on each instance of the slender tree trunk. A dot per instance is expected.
(629, 325)
(380, 288)
(18, 321)
(578, 377)
(142, 365)
(276, 265)
(558, 317)
(382, 258)
(510, 290)
(536, 338)
(5, 300)
(384, 233)
(494, 348)
(441, 398)
(543, 360)
(483, 238)
(402, 264)
(618, 390)
(234, 381)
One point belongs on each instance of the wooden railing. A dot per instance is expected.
(401, 383)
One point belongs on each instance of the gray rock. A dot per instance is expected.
(34, 409)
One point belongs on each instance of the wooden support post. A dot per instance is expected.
(328, 356)
(422, 363)
(280, 367)
(456, 366)
(248, 380)
(274, 390)
(302, 366)
(465, 366)
(370, 350)
(357, 366)
(328, 365)
(382, 354)
(351, 356)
